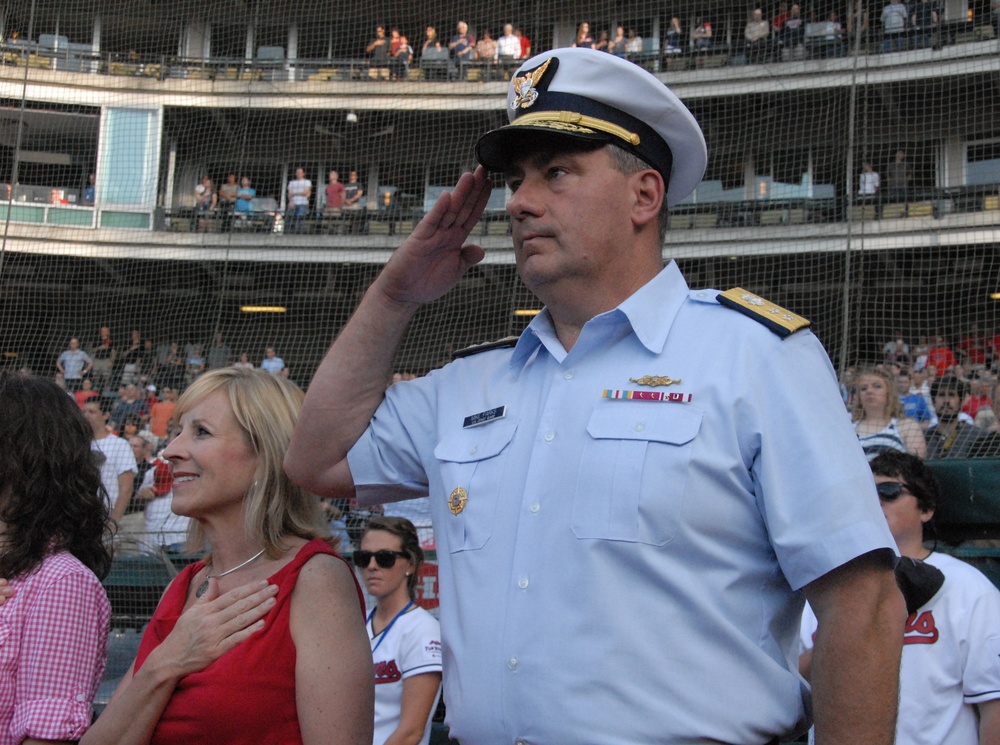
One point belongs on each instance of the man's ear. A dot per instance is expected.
(650, 191)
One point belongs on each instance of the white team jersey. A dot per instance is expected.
(951, 657)
(410, 646)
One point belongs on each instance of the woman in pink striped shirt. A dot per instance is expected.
(54, 530)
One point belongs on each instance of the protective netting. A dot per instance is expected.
(163, 102)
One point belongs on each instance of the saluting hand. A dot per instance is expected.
(434, 257)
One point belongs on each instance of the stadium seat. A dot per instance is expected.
(679, 222)
(772, 217)
(991, 202)
(894, 211)
(920, 209)
(705, 220)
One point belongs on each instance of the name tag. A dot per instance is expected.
(485, 416)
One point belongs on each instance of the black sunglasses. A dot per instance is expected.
(384, 558)
(889, 491)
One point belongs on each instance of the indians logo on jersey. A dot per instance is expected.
(386, 672)
(920, 628)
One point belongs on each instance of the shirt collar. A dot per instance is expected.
(650, 311)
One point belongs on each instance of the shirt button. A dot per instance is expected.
(522, 583)
(569, 374)
(534, 507)
(512, 663)
(550, 436)
(639, 426)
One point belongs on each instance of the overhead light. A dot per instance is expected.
(262, 309)
(527, 312)
(995, 296)
(351, 117)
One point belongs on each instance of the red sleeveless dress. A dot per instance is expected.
(248, 694)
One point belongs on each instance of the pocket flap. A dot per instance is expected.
(674, 424)
(476, 443)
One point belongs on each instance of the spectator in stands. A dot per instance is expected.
(940, 356)
(132, 526)
(334, 196)
(868, 184)
(299, 193)
(979, 394)
(219, 353)
(304, 675)
(131, 404)
(244, 198)
(116, 460)
(757, 34)
(102, 352)
(162, 412)
(431, 40)
(525, 43)
(603, 42)
(925, 20)
(793, 30)
(509, 46)
(633, 45)
(378, 53)
(583, 37)
(899, 177)
(55, 550)
(353, 192)
(674, 37)
(244, 362)
(194, 365)
(894, 25)
(833, 36)
(995, 7)
(395, 39)
(618, 44)
(879, 420)
(857, 25)
(400, 63)
(971, 349)
(74, 363)
(205, 202)
(174, 365)
(463, 49)
(487, 48)
(405, 639)
(897, 351)
(915, 406)
(85, 393)
(949, 679)
(952, 437)
(701, 35)
(273, 364)
(130, 358)
(90, 190)
(778, 22)
(228, 194)
(163, 529)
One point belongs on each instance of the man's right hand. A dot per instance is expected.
(434, 257)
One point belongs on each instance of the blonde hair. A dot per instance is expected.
(893, 408)
(266, 407)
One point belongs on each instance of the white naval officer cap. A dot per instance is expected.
(597, 96)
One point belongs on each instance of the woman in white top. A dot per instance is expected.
(878, 417)
(405, 639)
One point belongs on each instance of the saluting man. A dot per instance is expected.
(625, 517)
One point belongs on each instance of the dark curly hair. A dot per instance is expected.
(51, 495)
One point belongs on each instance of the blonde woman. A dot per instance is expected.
(878, 417)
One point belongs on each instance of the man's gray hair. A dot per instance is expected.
(627, 163)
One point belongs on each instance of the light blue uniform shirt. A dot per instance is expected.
(623, 570)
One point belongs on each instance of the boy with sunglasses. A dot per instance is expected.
(949, 677)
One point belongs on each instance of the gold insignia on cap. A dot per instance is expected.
(781, 321)
(570, 121)
(524, 86)
(655, 380)
(457, 500)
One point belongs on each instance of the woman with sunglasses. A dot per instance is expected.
(879, 420)
(405, 639)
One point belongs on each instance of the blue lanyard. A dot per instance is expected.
(385, 631)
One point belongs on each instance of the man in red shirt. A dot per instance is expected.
(335, 192)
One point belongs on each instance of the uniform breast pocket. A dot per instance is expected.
(633, 472)
(472, 465)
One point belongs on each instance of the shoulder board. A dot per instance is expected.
(780, 321)
(507, 341)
